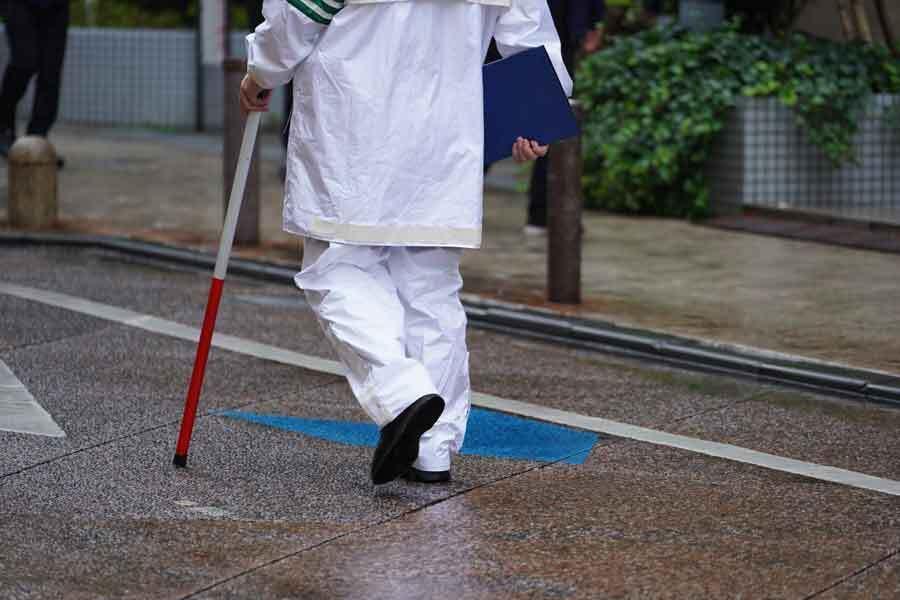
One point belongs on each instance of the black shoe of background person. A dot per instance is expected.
(7, 139)
(60, 161)
(416, 476)
(398, 443)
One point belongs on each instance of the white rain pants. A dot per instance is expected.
(394, 317)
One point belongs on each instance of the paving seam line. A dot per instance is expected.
(750, 397)
(853, 575)
(131, 434)
(792, 371)
(515, 407)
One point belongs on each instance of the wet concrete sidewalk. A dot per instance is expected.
(276, 501)
(817, 301)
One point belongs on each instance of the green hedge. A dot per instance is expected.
(654, 103)
(125, 14)
(129, 14)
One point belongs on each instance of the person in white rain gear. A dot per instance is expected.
(384, 182)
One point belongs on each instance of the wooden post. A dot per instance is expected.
(862, 21)
(564, 228)
(848, 23)
(32, 183)
(247, 232)
(886, 27)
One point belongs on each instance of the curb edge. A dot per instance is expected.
(858, 384)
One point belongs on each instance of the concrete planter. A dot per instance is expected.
(763, 159)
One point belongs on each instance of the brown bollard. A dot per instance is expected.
(564, 220)
(247, 232)
(33, 187)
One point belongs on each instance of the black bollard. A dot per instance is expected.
(564, 220)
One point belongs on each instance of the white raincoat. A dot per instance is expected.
(385, 165)
(386, 142)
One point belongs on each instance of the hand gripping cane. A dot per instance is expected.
(215, 288)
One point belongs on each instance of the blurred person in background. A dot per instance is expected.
(255, 12)
(36, 32)
(585, 27)
(621, 17)
(574, 20)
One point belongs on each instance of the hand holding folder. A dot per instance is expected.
(523, 98)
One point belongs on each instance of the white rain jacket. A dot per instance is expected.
(387, 136)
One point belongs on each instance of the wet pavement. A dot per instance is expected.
(812, 300)
(267, 512)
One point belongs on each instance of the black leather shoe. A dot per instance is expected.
(398, 443)
(417, 476)
(7, 139)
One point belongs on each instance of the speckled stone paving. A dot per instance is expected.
(266, 513)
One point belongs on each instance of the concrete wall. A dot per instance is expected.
(821, 18)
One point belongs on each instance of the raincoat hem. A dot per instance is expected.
(387, 235)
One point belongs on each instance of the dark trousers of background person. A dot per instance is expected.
(36, 32)
(537, 193)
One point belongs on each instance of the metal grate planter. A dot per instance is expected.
(763, 159)
(138, 77)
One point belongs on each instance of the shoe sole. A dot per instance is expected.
(404, 449)
(415, 476)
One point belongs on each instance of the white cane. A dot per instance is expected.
(251, 128)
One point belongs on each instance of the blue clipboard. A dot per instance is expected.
(523, 97)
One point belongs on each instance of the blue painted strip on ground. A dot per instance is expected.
(490, 433)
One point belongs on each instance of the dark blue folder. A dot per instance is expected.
(523, 97)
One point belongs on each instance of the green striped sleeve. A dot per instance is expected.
(320, 11)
